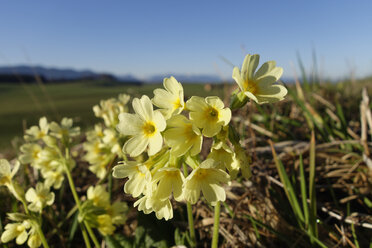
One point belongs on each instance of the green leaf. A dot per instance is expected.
(118, 241)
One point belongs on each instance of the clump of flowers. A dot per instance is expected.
(101, 213)
(104, 143)
(171, 138)
(24, 226)
(43, 151)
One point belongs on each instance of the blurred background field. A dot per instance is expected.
(23, 105)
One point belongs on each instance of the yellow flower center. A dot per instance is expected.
(201, 174)
(250, 86)
(171, 174)
(5, 180)
(212, 114)
(35, 154)
(177, 104)
(189, 133)
(149, 128)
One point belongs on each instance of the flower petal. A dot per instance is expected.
(155, 144)
(143, 107)
(249, 66)
(215, 102)
(130, 124)
(136, 145)
(159, 121)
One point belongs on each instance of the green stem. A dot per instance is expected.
(216, 224)
(42, 237)
(76, 198)
(85, 236)
(91, 234)
(190, 218)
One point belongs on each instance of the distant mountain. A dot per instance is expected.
(186, 78)
(28, 73)
(49, 75)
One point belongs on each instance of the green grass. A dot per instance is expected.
(22, 106)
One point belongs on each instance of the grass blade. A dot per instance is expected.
(288, 188)
(303, 193)
(312, 196)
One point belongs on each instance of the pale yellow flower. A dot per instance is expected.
(110, 139)
(105, 225)
(34, 241)
(109, 109)
(54, 178)
(206, 178)
(182, 135)
(31, 153)
(40, 197)
(6, 174)
(64, 131)
(16, 230)
(208, 114)
(170, 101)
(162, 208)
(151, 203)
(145, 127)
(117, 212)
(259, 86)
(37, 132)
(170, 180)
(99, 196)
(138, 174)
(226, 157)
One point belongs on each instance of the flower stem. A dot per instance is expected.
(42, 237)
(77, 201)
(190, 218)
(216, 224)
(85, 236)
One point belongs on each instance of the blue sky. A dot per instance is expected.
(189, 37)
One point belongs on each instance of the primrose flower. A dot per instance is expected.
(208, 114)
(37, 132)
(170, 101)
(182, 135)
(170, 180)
(222, 153)
(138, 174)
(99, 196)
(64, 131)
(30, 153)
(105, 225)
(6, 174)
(151, 203)
(34, 241)
(117, 212)
(16, 230)
(163, 208)
(259, 86)
(206, 178)
(145, 127)
(109, 109)
(54, 177)
(39, 198)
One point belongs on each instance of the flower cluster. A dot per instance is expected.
(21, 229)
(24, 226)
(101, 213)
(43, 151)
(104, 143)
(173, 134)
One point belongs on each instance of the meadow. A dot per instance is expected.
(309, 155)
(23, 105)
